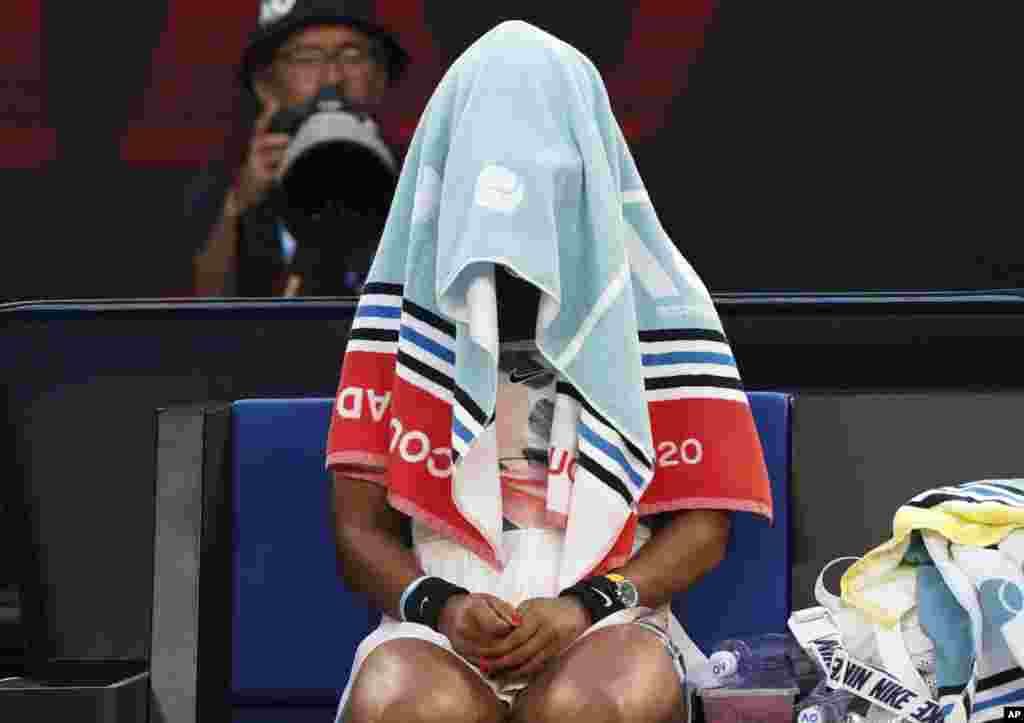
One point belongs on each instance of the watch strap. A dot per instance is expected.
(598, 595)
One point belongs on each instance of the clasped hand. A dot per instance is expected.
(512, 643)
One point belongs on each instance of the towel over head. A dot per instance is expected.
(519, 162)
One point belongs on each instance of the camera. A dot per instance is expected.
(335, 184)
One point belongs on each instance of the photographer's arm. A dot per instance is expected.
(215, 264)
(219, 259)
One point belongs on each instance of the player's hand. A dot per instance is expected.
(263, 160)
(550, 625)
(475, 622)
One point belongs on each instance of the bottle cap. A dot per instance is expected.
(811, 714)
(723, 664)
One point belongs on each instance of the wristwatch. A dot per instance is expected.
(625, 590)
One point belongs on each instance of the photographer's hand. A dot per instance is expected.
(293, 286)
(215, 265)
(266, 152)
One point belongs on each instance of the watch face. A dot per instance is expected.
(627, 594)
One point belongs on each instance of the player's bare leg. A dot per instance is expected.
(617, 674)
(414, 681)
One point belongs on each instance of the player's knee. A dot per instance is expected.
(630, 679)
(568, 698)
(398, 683)
(375, 701)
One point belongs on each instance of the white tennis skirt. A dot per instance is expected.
(532, 571)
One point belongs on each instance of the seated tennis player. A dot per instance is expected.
(540, 432)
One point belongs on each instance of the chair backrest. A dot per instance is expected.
(749, 592)
(296, 627)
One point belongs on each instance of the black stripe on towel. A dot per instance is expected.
(570, 391)
(470, 406)
(939, 497)
(683, 335)
(994, 681)
(425, 370)
(386, 289)
(428, 317)
(366, 334)
(692, 380)
(609, 478)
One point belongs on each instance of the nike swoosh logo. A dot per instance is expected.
(607, 600)
(423, 604)
(518, 377)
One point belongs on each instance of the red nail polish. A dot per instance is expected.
(483, 666)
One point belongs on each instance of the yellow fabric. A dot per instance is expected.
(981, 524)
(965, 523)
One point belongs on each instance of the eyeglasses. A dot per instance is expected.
(315, 59)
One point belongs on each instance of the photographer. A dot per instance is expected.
(301, 51)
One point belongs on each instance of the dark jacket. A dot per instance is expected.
(332, 262)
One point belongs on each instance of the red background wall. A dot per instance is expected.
(787, 145)
(183, 111)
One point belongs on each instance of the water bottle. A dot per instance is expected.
(761, 661)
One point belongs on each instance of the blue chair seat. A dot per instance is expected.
(749, 592)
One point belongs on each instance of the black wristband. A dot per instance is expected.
(596, 594)
(427, 599)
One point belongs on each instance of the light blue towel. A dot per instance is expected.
(504, 162)
(949, 627)
(519, 161)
